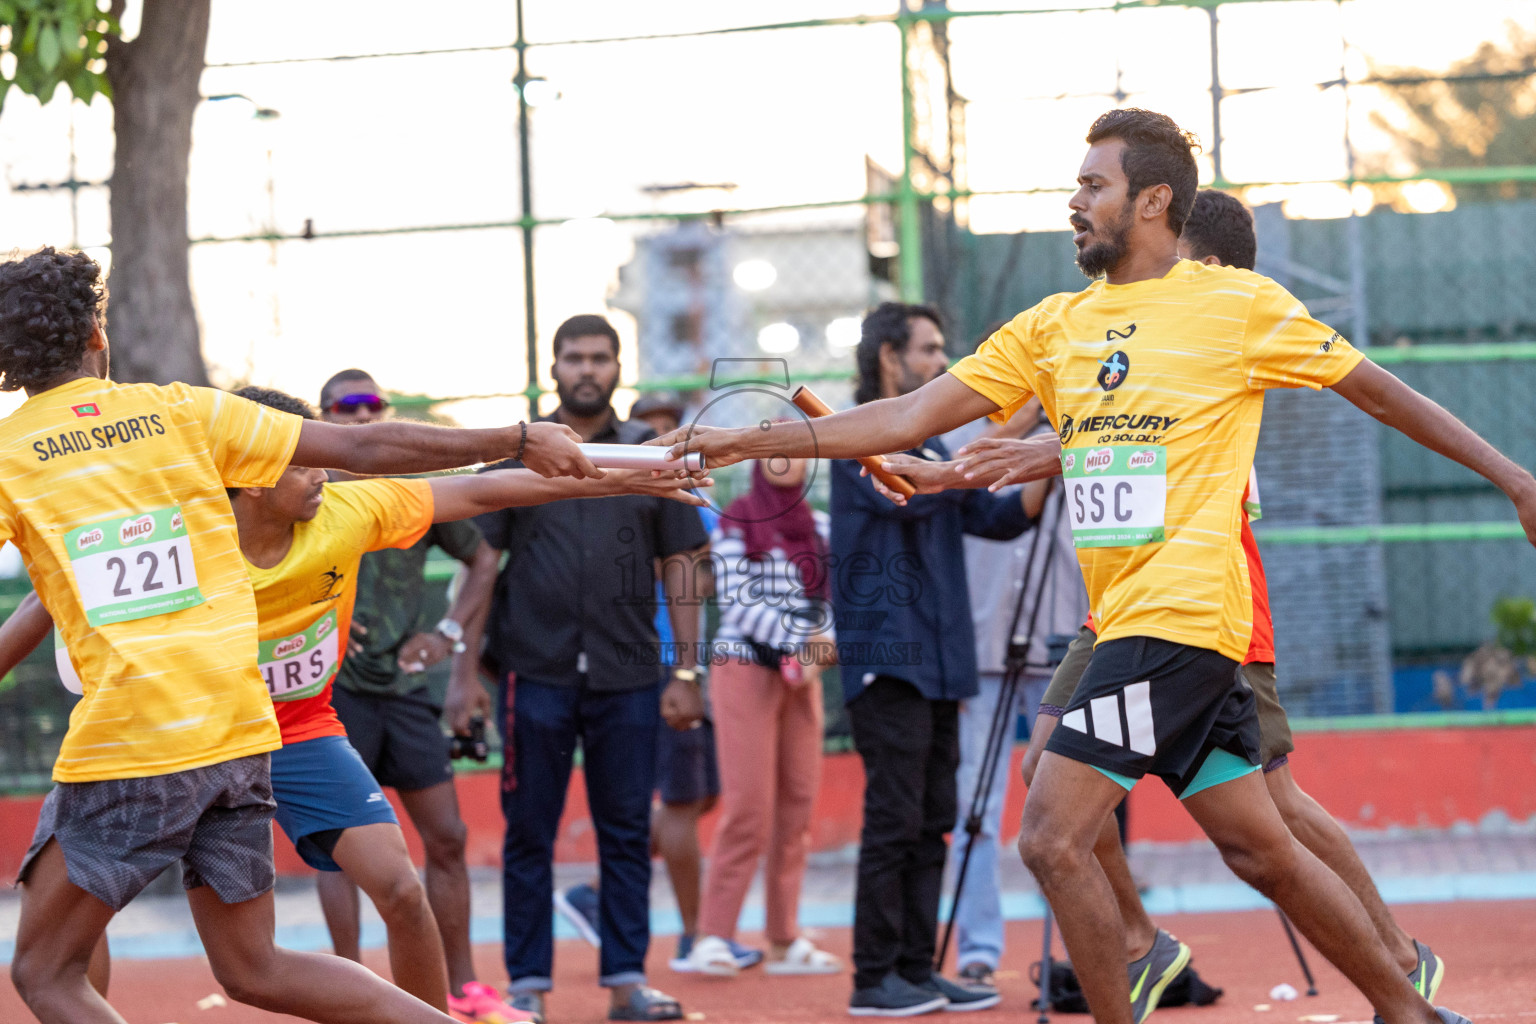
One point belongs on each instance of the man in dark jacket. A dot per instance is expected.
(907, 650)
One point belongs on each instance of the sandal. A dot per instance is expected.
(802, 957)
(712, 956)
(646, 1004)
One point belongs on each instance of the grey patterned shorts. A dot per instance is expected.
(118, 834)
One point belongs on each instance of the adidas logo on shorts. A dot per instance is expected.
(1134, 730)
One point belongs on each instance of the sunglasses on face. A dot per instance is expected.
(351, 403)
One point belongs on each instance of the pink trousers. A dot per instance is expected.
(769, 740)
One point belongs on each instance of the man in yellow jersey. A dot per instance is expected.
(1182, 352)
(1219, 231)
(303, 541)
(114, 494)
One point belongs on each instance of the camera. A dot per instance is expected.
(472, 746)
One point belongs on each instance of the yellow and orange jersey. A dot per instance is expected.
(304, 603)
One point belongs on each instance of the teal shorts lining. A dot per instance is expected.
(1220, 766)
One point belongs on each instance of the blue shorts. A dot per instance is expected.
(321, 785)
(686, 768)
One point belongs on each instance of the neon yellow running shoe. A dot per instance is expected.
(1152, 973)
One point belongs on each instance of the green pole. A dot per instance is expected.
(530, 321)
(911, 231)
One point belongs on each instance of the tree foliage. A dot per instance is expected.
(48, 43)
(1484, 117)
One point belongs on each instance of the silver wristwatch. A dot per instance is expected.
(454, 632)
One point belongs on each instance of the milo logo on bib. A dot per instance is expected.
(300, 665)
(1116, 495)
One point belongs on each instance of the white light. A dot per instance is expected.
(754, 275)
(1427, 196)
(539, 91)
(843, 333)
(777, 339)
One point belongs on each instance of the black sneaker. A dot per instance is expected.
(962, 996)
(895, 996)
(1152, 973)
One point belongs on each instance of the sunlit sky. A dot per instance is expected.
(787, 116)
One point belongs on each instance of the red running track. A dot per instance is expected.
(1489, 948)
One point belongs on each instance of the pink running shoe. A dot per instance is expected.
(482, 1004)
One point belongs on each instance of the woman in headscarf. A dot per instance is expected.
(774, 638)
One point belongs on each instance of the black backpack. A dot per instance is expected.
(1187, 989)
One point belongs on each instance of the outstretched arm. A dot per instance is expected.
(398, 448)
(465, 495)
(1380, 394)
(990, 462)
(23, 631)
(888, 425)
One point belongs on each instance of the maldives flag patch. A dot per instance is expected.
(88, 409)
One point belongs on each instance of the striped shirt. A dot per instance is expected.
(764, 607)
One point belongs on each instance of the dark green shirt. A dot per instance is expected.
(390, 592)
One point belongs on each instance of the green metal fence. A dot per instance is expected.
(707, 270)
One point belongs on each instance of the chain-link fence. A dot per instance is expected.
(747, 191)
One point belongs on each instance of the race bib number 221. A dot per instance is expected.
(134, 567)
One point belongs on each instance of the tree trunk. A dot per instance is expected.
(156, 87)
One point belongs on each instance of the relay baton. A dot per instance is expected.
(806, 401)
(634, 456)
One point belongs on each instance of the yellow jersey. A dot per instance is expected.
(1157, 390)
(115, 496)
(304, 603)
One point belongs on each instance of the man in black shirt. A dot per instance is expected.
(572, 643)
(382, 698)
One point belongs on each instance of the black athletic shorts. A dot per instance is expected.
(398, 738)
(1150, 706)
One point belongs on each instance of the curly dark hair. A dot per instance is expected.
(272, 398)
(1221, 226)
(887, 324)
(50, 302)
(1157, 152)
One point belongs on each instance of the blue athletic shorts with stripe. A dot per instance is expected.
(322, 786)
(1147, 706)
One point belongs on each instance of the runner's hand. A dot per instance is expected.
(716, 443)
(553, 449)
(675, 484)
(422, 651)
(927, 476)
(1004, 461)
(1526, 508)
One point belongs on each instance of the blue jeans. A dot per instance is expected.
(617, 732)
(979, 915)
